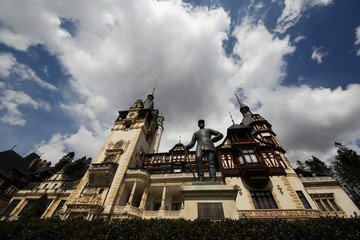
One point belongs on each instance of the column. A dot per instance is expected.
(144, 197)
(163, 198)
(132, 194)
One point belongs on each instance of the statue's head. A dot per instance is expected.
(201, 123)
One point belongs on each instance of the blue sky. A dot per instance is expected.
(67, 68)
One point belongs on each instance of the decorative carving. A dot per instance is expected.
(119, 147)
(89, 196)
(138, 104)
(110, 145)
(279, 213)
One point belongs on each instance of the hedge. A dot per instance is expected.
(52, 229)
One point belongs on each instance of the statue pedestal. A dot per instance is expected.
(209, 199)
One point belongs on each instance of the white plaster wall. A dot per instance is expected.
(340, 196)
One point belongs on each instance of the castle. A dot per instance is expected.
(130, 178)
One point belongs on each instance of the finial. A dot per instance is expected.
(14, 147)
(179, 139)
(232, 118)
(241, 104)
(155, 87)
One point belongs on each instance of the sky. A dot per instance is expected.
(68, 67)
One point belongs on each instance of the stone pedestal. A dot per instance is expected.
(207, 183)
(211, 200)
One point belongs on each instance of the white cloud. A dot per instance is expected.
(318, 54)
(262, 56)
(357, 41)
(10, 101)
(357, 36)
(299, 38)
(83, 143)
(308, 121)
(293, 11)
(120, 51)
(13, 70)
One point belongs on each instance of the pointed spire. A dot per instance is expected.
(149, 102)
(244, 109)
(154, 87)
(232, 118)
(241, 104)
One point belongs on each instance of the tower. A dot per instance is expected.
(252, 152)
(136, 131)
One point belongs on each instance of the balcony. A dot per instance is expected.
(255, 174)
(318, 181)
(101, 174)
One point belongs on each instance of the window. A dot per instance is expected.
(303, 199)
(227, 161)
(176, 207)
(178, 157)
(334, 204)
(127, 128)
(27, 206)
(261, 126)
(263, 200)
(318, 202)
(281, 161)
(327, 204)
(119, 144)
(247, 156)
(269, 139)
(270, 159)
(110, 158)
(11, 207)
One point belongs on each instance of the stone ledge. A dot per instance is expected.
(229, 191)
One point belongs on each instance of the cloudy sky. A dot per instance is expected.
(67, 67)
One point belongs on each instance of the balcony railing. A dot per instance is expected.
(101, 174)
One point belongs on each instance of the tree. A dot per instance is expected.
(301, 166)
(66, 159)
(314, 165)
(37, 209)
(347, 171)
(317, 166)
(77, 169)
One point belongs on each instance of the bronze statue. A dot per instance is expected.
(205, 148)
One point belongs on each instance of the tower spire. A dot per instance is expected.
(232, 118)
(244, 109)
(149, 102)
(154, 88)
(241, 104)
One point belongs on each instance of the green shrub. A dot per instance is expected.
(53, 229)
